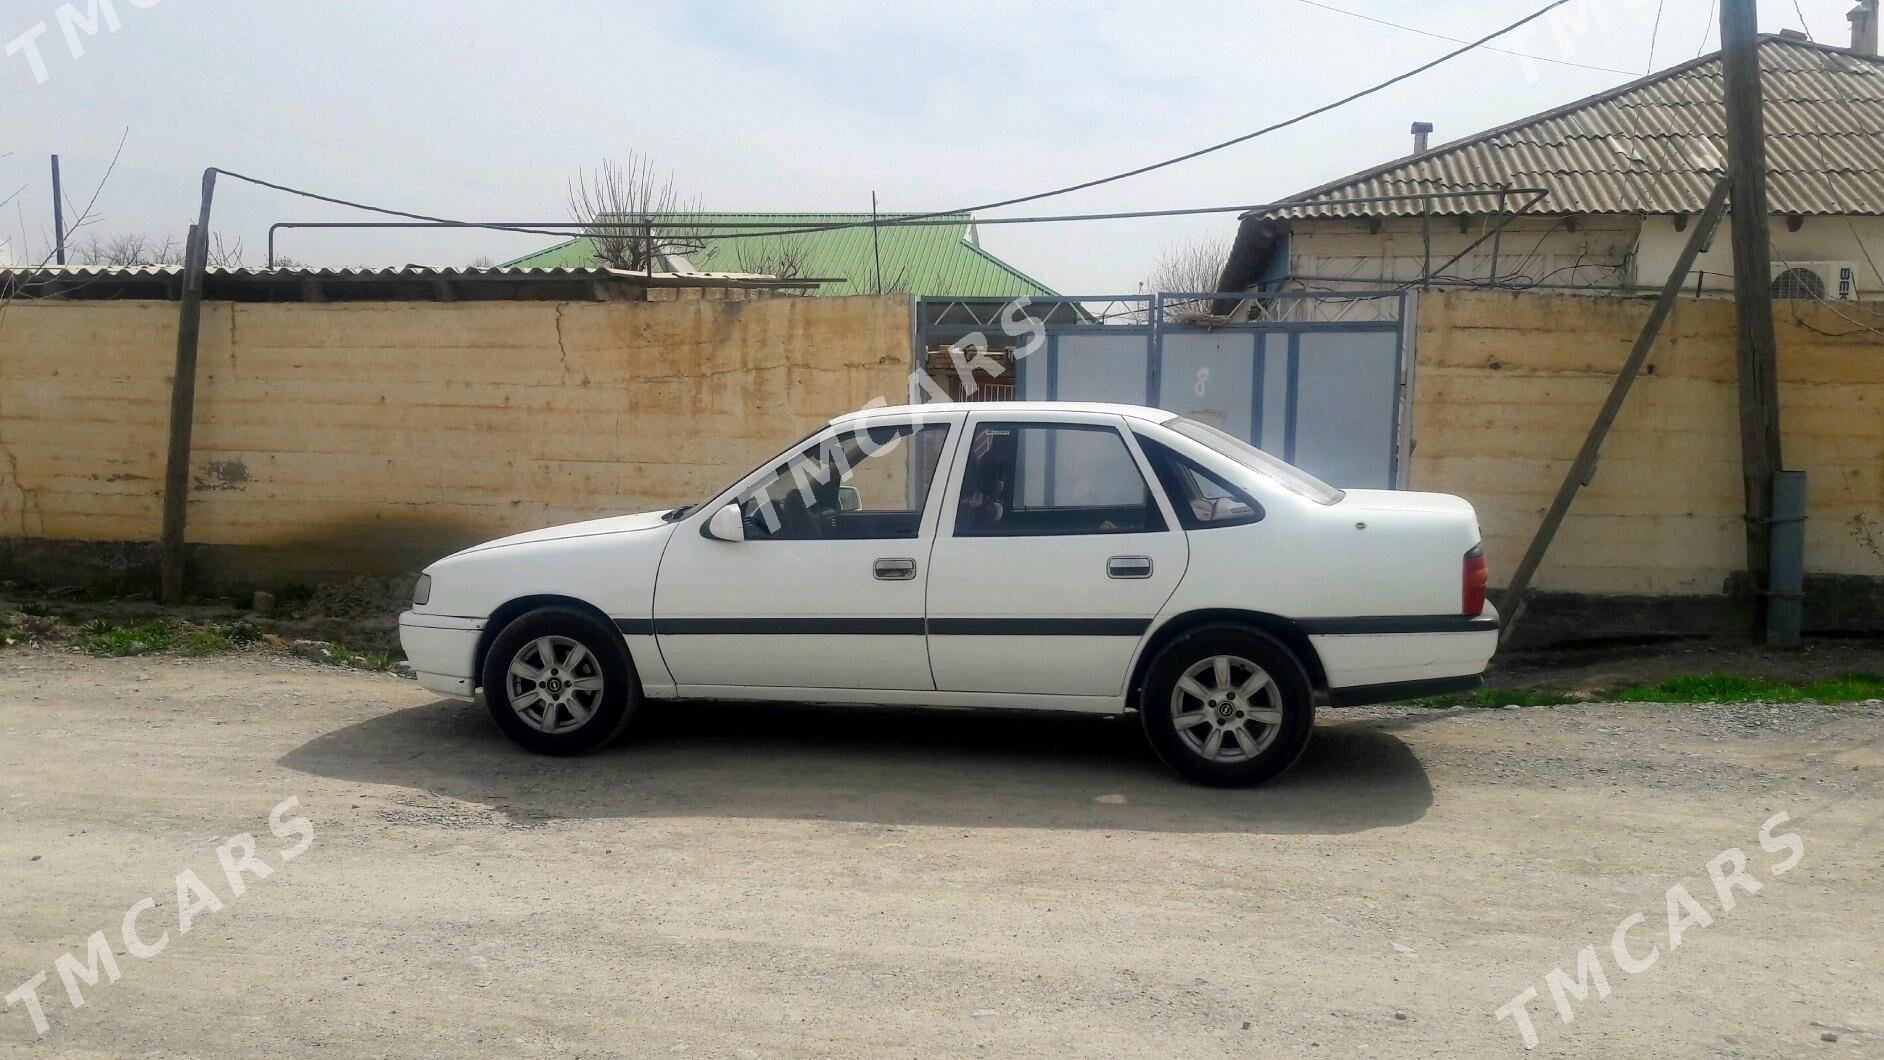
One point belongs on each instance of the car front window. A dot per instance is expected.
(1288, 476)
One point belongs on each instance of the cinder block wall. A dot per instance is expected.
(371, 437)
(1507, 385)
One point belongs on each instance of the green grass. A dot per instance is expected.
(1688, 688)
(99, 637)
(1727, 688)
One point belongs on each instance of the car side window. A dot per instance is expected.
(1201, 498)
(859, 485)
(1041, 479)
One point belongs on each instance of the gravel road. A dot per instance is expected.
(784, 881)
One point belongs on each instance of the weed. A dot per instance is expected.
(1688, 688)
(99, 637)
(1729, 688)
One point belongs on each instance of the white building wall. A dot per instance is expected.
(1589, 251)
(1596, 251)
(1857, 241)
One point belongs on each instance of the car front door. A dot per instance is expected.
(1054, 555)
(826, 590)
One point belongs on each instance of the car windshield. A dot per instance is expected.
(1290, 477)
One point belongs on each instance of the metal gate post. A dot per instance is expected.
(1785, 594)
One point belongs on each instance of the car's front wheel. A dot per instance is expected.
(1227, 706)
(559, 682)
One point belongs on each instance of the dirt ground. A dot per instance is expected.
(779, 881)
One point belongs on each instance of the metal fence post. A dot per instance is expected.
(1785, 594)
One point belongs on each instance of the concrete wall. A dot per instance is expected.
(354, 437)
(1505, 389)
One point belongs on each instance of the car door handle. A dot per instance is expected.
(896, 570)
(1128, 567)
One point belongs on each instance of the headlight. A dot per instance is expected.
(422, 592)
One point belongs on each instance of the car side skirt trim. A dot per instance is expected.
(1022, 627)
(1393, 691)
(879, 627)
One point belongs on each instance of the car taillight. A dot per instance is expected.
(1474, 579)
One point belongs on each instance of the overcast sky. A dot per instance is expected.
(483, 109)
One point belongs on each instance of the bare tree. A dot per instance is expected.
(140, 249)
(1189, 267)
(11, 290)
(616, 202)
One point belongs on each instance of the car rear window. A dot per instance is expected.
(1288, 476)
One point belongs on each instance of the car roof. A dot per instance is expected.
(1016, 408)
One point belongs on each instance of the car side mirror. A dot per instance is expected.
(848, 499)
(727, 524)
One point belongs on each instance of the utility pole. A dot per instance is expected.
(1755, 352)
(183, 402)
(58, 215)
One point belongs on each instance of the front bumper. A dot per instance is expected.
(442, 650)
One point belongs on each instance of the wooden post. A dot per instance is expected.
(1754, 345)
(183, 402)
(1583, 469)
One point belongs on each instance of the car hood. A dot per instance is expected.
(1404, 501)
(619, 524)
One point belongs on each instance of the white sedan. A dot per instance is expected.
(1039, 556)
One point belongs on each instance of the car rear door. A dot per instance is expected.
(827, 589)
(1052, 557)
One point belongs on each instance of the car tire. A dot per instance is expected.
(1234, 732)
(559, 682)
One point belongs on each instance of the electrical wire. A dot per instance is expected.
(1035, 196)
(1653, 34)
(1707, 27)
(1462, 40)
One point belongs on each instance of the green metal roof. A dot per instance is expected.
(940, 260)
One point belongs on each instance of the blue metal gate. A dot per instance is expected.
(1316, 379)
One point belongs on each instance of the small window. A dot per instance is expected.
(1201, 498)
(1052, 479)
(862, 484)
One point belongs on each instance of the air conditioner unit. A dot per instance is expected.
(1835, 281)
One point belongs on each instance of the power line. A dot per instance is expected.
(1462, 40)
(1653, 34)
(1050, 193)
(670, 228)
(1804, 26)
(1285, 123)
(1707, 27)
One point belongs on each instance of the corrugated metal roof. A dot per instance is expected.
(1655, 145)
(927, 260)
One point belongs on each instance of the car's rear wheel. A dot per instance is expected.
(1227, 706)
(559, 682)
